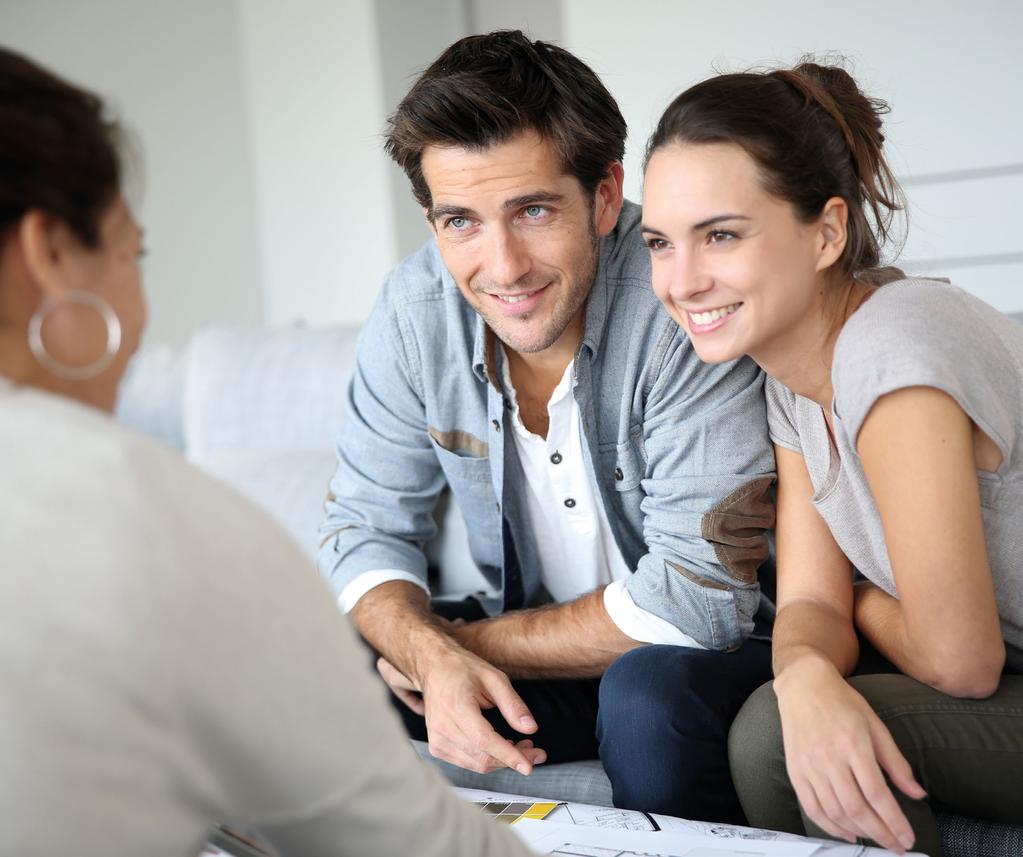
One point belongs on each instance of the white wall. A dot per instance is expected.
(172, 71)
(268, 197)
(950, 70)
(316, 110)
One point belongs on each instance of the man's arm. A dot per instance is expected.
(708, 477)
(573, 640)
(455, 684)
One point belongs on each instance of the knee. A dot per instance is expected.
(652, 679)
(755, 738)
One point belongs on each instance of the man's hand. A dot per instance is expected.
(458, 686)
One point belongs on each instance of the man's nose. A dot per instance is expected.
(507, 258)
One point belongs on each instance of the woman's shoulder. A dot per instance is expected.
(915, 313)
(123, 483)
(924, 332)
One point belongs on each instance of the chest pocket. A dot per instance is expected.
(624, 464)
(469, 478)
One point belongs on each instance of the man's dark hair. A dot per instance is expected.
(489, 88)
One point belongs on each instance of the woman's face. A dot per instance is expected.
(733, 264)
(77, 335)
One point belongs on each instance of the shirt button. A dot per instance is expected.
(496, 425)
(570, 503)
(556, 458)
(618, 474)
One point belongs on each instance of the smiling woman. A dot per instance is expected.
(896, 409)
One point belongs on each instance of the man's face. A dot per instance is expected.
(519, 236)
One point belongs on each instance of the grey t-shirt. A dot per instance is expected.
(911, 333)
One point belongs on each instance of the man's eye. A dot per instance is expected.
(457, 223)
(534, 211)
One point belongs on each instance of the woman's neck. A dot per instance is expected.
(801, 358)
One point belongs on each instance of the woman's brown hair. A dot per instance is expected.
(813, 135)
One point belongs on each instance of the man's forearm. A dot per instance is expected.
(573, 640)
(395, 618)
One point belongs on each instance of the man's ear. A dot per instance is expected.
(832, 232)
(609, 199)
(43, 243)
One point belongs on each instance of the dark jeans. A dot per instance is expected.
(658, 720)
(966, 753)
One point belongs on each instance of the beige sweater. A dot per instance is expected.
(168, 660)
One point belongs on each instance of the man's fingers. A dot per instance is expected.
(515, 712)
(535, 754)
(484, 741)
(413, 700)
(894, 763)
(393, 676)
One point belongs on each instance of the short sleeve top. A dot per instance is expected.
(910, 333)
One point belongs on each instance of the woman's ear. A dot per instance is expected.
(832, 232)
(44, 244)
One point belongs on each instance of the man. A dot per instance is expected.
(522, 359)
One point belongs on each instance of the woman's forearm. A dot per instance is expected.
(809, 630)
(882, 620)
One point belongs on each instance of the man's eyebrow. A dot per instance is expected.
(532, 199)
(439, 211)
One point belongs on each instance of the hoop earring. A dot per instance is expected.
(62, 370)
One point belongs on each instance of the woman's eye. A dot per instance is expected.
(719, 237)
(655, 245)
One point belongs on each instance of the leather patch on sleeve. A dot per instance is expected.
(460, 443)
(737, 528)
(705, 582)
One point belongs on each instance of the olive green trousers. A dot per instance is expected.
(966, 753)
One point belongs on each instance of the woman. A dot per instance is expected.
(167, 659)
(896, 408)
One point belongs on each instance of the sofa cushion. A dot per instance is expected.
(280, 389)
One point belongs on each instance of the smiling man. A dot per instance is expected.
(616, 489)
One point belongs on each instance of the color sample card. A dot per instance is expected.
(505, 812)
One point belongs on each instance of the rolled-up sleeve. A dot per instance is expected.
(379, 510)
(708, 483)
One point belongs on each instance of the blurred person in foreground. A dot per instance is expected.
(167, 661)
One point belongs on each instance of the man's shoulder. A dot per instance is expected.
(420, 276)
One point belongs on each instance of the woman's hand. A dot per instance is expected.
(836, 749)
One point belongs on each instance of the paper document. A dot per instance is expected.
(551, 837)
(741, 840)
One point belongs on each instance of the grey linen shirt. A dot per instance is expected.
(912, 333)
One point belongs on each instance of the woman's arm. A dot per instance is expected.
(835, 746)
(917, 447)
